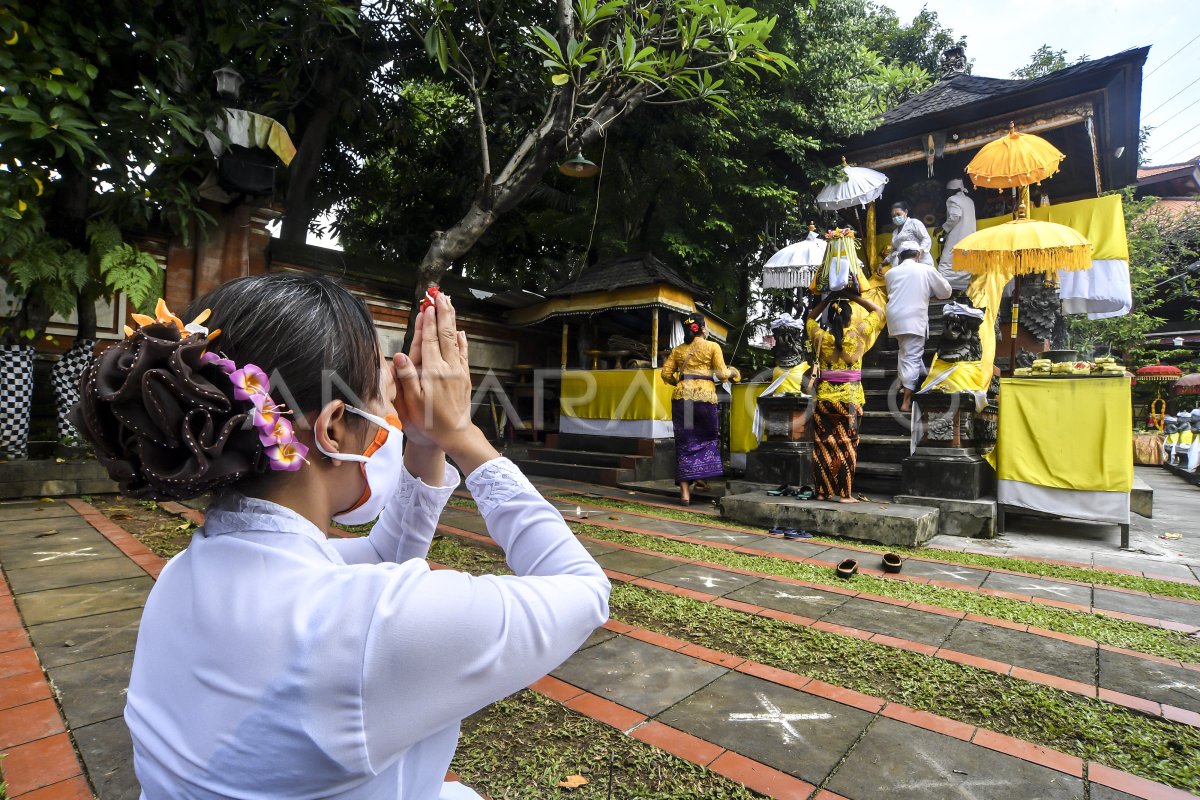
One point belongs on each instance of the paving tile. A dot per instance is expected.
(108, 755)
(37, 510)
(40, 763)
(36, 579)
(93, 691)
(21, 551)
(597, 636)
(76, 788)
(832, 555)
(1037, 587)
(1040, 653)
(1150, 679)
(84, 638)
(704, 579)
(18, 690)
(1156, 607)
(903, 623)
(724, 537)
(794, 547)
(780, 596)
(598, 548)
(81, 601)
(900, 761)
(677, 742)
(789, 730)
(636, 674)
(638, 564)
(29, 722)
(15, 662)
(951, 573)
(1098, 792)
(64, 524)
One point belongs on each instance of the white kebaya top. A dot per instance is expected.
(273, 662)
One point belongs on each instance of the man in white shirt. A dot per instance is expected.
(960, 223)
(910, 286)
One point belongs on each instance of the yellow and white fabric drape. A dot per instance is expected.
(615, 402)
(1065, 446)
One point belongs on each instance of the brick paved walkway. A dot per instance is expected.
(72, 585)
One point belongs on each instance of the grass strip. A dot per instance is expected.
(1092, 729)
(1082, 574)
(1115, 632)
(163, 532)
(522, 746)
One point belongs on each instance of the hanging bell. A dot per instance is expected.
(578, 167)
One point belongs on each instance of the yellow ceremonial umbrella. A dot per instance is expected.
(1022, 247)
(1015, 159)
(1019, 247)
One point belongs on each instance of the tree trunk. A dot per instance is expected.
(85, 312)
(298, 208)
(443, 249)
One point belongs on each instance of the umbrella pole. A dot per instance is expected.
(1016, 310)
(872, 255)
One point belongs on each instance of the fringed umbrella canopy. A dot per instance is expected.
(794, 266)
(1188, 384)
(1024, 247)
(1158, 373)
(1016, 159)
(862, 186)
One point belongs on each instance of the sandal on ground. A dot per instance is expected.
(805, 493)
(862, 498)
(892, 562)
(701, 485)
(781, 491)
(847, 569)
(795, 534)
(781, 531)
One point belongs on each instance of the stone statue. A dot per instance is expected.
(960, 333)
(1041, 311)
(790, 361)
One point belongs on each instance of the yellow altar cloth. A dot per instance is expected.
(742, 405)
(1100, 219)
(620, 394)
(1065, 446)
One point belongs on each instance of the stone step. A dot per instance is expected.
(53, 478)
(871, 476)
(881, 422)
(584, 457)
(1141, 498)
(885, 523)
(623, 445)
(884, 448)
(605, 476)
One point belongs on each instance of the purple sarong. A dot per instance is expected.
(697, 440)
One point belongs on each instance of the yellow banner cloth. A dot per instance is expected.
(967, 376)
(1101, 220)
(741, 416)
(794, 382)
(615, 394)
(1065, 433)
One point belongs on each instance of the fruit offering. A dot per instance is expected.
(430, 297)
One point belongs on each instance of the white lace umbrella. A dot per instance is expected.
(794, 266)
(862, 186)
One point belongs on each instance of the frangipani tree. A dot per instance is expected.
(593, 63)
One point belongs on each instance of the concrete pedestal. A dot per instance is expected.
(951, 436)
(786, 456)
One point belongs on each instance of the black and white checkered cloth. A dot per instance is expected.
(64, 379)
(16, 399)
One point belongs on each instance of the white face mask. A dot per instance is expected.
(382, 466)
(898, 219)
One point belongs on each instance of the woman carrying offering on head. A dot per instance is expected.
(272, 660)
(838, 345)
(691, 368)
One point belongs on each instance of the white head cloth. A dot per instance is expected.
(956, 183)
(959, 310)
(786, 320)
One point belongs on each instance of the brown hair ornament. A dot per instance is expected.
(165, 416)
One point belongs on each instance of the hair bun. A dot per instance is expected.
(164, 424)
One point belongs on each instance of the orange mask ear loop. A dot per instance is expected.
(380, 437)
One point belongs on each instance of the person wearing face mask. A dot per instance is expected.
(273, 660)
(911, 230)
